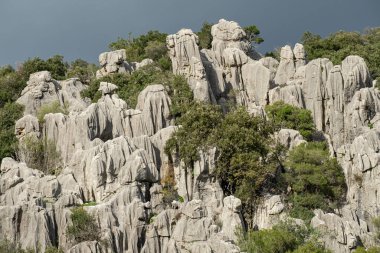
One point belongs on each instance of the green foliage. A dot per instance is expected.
(53, 250)
(40, 154)
(12, 82)
(253, 34)
(246, 163)
(376, 224)
(311, 247)
(284, 237)
(316, 180)
(83, 70)
(84, 226)
(53, 107)
(151, 45)
(369, 250)
(90, 203)
(55, 65)
(339, 45)
(8, 142)
(197, 125)
(287, 116)
(204, 35)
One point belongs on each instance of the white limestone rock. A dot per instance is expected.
(286, 68)
(289, 138)
(113, 62)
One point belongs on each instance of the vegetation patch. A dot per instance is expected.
(284, 237)
(84, 226)
(40, 154)
(287, 116)
(316, 180)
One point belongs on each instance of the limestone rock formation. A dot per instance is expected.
(113, 156)
(42, 90)
(113, 62)
(286, 68)
(289, 138)
(186, 61)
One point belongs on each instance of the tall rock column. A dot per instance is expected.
(186, 61)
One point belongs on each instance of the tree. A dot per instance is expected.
(284, 237)
(83, 70)
(150, 45)
(287, 116)
(316, 180)
(204, 35)
(339, 45)
(84, 226)
(8, 115)
(253, 34)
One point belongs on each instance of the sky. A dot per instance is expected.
(84, 28)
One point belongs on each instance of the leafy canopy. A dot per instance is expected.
(339, 45)
(287, 116)
(150, 45)
(84, 226)
(284, 237)
(316, 180)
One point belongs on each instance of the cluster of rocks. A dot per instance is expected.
(114, 155)
(116, 62)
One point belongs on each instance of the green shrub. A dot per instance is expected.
(53, 107)
(339, 45)
(205, 36)
(287, 116)
(40, 154)
(150, 45)
(83, 70)
(8, 141)
(369, 250)
(316, 179)
(53, 250)
(90, 203)
(84, 226)
(197, 125)
(284, 237)
(246, 162)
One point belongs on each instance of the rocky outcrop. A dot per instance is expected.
(342, 233)
(286, 68)
(289, 138)
(186, 61)
(113, 155)
(42, 89)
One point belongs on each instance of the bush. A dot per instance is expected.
(339, 45)
(151, 45)
(246, 163)
(84, 227)
(369, 250)
(8, 141)
(83, 70)
(287, 116)
(40, 154)
(196, 127)
(316, 180)
(205, 36)
(53, 107)
(284, 237)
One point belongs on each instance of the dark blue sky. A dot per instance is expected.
(84, 28)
